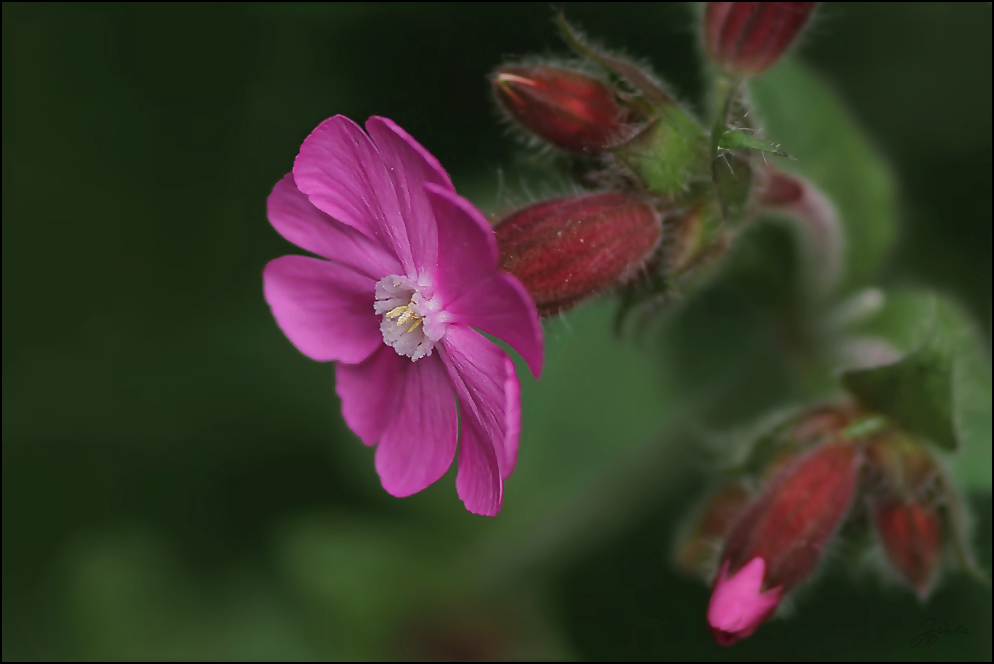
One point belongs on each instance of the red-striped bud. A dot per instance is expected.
(568, 249)
(746, 38)
(779, 539)
(571, 110)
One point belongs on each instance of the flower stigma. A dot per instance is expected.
(412, 321)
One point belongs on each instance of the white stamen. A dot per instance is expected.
(412, 323)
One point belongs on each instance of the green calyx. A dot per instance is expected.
(670, 155)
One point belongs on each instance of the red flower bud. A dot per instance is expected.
(746, 38)
(786, 529)
(908, 488)
(571, 110)
(568, 249)
(912, 535)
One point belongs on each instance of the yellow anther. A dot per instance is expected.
(414, 325)
(396, 311)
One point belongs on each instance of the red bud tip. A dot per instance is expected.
(568, 249)
(569, 109)
(746, 38)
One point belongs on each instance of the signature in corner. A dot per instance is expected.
(932, 628)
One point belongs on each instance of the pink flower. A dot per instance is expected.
(411, 270)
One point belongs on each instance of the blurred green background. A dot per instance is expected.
(177, 478)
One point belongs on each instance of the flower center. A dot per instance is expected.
(412, 323)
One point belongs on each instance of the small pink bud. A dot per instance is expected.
(746, 38)
(568, 249)
(571, 110)
(738, 604)
(789, 526)
(912, 535)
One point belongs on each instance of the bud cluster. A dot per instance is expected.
(678, 190)
(767, 531)
(662, 194)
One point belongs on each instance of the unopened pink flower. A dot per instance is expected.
(739, 604)
(779, 539)
(409, 282)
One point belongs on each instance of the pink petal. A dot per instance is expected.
(420, 442)
(325, 309)
(490, 406)
(500, 306)
(512, 416)
(467, 246)
(296, 219)
(410, 167)
(478, 480)
(371, 391)
(343, 175)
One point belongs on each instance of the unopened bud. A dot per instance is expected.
(699, 551)
(781, 536)
(908, 492)
(746, 38)
(574, 111)
(912, 535)
(568, 249)
(685, 238)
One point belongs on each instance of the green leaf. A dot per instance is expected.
(800, 112)
(916, 391)
(907, 320)
(971, 398)
(733, 139)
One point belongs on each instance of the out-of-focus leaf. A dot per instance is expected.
(972, 399)
(909, 322)
(804, 116)
(128, 597)
(917, 390)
